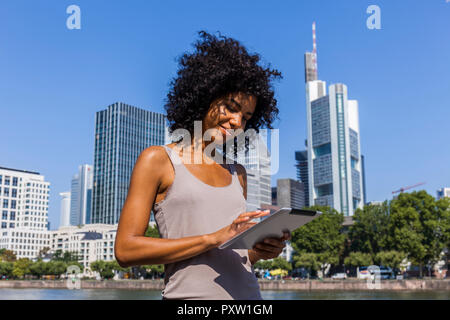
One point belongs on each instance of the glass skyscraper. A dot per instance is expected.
(81, 196)
(122, 132)
(335, 173)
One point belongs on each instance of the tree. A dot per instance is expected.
(280, 263)
(152, 232)
(6, 268)
(392, 258)
(21, 267)
(104, 268)
(358, 259)
(369, 232)
(39, 268)
(308, 261)
(321, 236)
(56, 268)
(263, 264)
(419, 226)
(7, 255)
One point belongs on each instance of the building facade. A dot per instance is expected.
(81, 196)
(255, 157)
(90, 242)
(334, 165)
(24, 197)
(290, 194)
(335, 170)
(443, 192)
(301, 157)
(64, 218)
(122, 132)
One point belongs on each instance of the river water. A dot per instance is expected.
(121, 294)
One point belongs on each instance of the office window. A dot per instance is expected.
(3, 225)
(4, 215)
(5, 203)
(6, 192)
(14, 182)
(13, 204)
(7, 179)
(1, 178)
(14, 193)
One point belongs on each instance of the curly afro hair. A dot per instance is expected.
(219, 66)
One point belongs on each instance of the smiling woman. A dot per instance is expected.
(199, 206)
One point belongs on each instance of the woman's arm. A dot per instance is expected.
(132, 247)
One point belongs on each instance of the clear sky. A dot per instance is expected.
(53, 80)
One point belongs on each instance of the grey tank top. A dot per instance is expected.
(191, 208)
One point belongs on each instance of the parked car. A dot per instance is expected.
(383, 272)
(339, 276)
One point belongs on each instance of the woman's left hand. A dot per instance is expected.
(268, 249)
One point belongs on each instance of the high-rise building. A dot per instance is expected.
(122, 132)
(290, 194)
(443, 192)
(64, 219)
(333, 148)
(255, 157)
(81, 196)
(24, 197)
(302, 173)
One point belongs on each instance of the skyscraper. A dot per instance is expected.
(333, 148)
(64, 219)
(302, 173)
(81, 196)
(256, 161)
(290, 193)
(122, 132)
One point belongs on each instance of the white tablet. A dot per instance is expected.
(271, 227)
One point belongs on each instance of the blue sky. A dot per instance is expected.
(53, 80)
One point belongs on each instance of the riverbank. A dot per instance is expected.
(278, 285)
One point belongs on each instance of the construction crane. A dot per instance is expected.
(408, 187)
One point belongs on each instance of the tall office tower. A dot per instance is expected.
(64, 219)
(302, 173)
(290, 194)
(122, 132)
(256, 161)
(443, 192)
(335, 177)
(81, 196)
(24, 199)
(333, 148)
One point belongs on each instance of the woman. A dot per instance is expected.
(199, 205)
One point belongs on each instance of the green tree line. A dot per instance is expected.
(413, 227)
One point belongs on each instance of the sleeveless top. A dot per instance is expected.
(191, 208)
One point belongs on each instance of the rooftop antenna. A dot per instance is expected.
(314, 46)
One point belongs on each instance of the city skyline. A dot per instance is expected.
(402, 108)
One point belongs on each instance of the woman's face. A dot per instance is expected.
(231, 111)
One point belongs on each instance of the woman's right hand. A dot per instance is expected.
(239, 225)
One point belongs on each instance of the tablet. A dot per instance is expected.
(271, 227)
